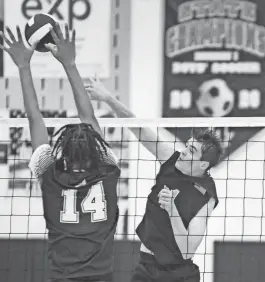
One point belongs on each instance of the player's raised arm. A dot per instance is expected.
(150, 139)
(65, 53)
(21, 56)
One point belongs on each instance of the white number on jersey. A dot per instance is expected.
(94, 203)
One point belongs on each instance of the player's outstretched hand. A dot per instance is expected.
(20, 54)
(64, 50)
(96, 90)
(166, 199)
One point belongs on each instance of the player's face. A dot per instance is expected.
(189, 161)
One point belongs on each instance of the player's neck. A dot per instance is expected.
(199, 174)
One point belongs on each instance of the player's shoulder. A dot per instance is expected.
(109, 157)
(207, 187)
(171, 160)
(41, 160)
(110, 162)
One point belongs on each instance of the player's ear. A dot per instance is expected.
(204, 165)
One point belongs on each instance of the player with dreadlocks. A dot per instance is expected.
(78, 177)
(79, 144)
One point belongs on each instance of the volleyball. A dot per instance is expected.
(38, 29)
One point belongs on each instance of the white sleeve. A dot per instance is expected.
(109, 157)
(40, 160)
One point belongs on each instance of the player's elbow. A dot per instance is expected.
(192, 245)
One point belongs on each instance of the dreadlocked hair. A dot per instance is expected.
(78, 144)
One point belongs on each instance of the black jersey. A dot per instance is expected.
(155, 230)
(81, 215)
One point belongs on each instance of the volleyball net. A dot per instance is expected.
(239, 179)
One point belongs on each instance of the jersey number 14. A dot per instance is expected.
(93, 203)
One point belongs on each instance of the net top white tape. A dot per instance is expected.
(155, 122)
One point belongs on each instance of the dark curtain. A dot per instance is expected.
(1, 51)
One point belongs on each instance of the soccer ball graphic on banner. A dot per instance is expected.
(216, 98)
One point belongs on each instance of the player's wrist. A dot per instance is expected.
(69, 65)
(109, 99)
(24, 66)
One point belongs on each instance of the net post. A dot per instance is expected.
(4, 142)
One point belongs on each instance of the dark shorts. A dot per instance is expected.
(71, 280)
(84, 280)
(148, 271)
(101, 278)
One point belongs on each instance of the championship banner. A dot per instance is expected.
(214, 62)
(90, 18)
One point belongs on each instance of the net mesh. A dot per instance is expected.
(239, 180)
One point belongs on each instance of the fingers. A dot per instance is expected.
(19, 35)
(34, 45)
(89, 95)
(165, 193)
(175, 193)
(59, 32)
(94, 80)
(163, 203)
(11, 35)
(55, 37)
(4, 48)
(91, 81)
(97, 78)
(51, 47)
(73, 36)
(67, 36)
(6, 40)
(165, 199)
(88, 87)
(58, 35)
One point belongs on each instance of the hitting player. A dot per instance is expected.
(180, 202)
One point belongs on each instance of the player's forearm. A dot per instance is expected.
(180, 232)
(145, 135)
(142, 134)
(29, 93)
(82, 101)
(178, 226)
(121, 110)
(176, 222)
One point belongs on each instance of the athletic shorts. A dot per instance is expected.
(102, 278)
(149, 271)
(84, 280)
